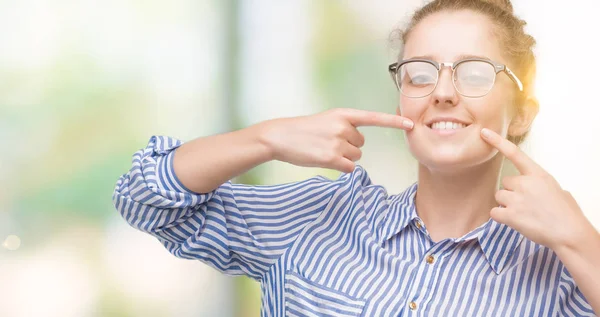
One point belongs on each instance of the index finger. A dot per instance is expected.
(359, 118)
(522, 162)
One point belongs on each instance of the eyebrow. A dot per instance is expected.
(460, 57)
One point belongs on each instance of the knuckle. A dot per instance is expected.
(349, 168)
(498, 195)
(520, 201)
(338, 145)
(334, 110)
(359, 155)
(330, 158)
(374, 116)
(354, 155)
(533, 182)
(340, 129)
(332, 114)
(361, 139)
(340, 111)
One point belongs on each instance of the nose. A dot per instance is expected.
(445, 94)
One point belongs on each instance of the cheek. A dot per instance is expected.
(493, 115)
(411, 108)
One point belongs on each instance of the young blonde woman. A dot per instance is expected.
(458, 242)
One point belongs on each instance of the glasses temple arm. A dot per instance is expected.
(513, 77)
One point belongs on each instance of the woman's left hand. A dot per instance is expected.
(534, 203)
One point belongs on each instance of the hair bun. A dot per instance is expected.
(505, 5)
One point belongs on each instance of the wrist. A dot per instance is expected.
(580, 241)
(261, 136)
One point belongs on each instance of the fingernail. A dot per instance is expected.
(486, 133)
(408, 124)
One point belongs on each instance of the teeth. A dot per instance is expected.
(447, 125)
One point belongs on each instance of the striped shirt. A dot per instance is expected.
(343, 247)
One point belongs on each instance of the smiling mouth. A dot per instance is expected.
(447, 126)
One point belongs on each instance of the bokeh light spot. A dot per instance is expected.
(12, 243)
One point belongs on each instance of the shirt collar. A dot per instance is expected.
(497, 241)
(400, 213)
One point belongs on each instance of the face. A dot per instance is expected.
(446, 37)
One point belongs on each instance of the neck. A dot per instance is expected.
(453, 204)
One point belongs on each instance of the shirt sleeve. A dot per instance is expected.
(237, 229)
(571, 301)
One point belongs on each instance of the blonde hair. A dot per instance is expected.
(510, 30)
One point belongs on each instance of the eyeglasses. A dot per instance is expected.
(473, 77)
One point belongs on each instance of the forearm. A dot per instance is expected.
(205, 163)
(582, 259)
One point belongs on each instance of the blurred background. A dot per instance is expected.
(84, 84)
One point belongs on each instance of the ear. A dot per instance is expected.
(521, 122)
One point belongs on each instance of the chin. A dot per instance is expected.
(449, 159)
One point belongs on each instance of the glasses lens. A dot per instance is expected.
(417, 79)
(474, 78)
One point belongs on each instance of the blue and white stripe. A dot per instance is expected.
(343, 247)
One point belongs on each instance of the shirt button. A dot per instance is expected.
(412, 305)
(418, 224)
(430, 259)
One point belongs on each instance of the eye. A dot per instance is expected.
(475, 74)
(422, 79)
(475, 79)
(418, 74)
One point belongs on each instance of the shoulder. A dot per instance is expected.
(373, 200)
(358, 175)
(359, 181)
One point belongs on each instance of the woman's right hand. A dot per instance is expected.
(328, 139)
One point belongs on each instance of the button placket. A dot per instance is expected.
(421, 295)
(413, 303)
(431, 258)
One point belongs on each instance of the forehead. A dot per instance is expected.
(447, 35)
